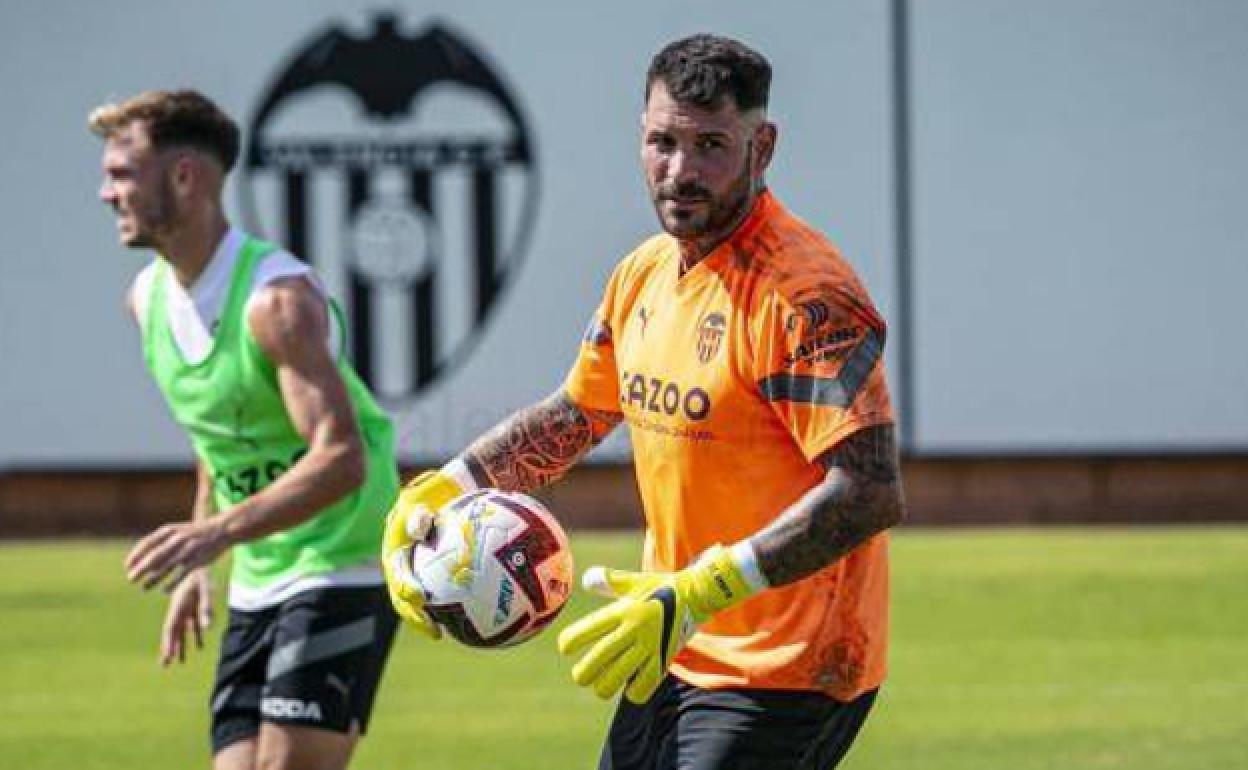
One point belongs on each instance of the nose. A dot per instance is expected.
(681, 167)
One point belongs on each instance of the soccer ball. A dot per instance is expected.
(497, 569)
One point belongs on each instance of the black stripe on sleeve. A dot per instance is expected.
(838, 391)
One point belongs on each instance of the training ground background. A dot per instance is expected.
(1027, 650)
(1046, 200)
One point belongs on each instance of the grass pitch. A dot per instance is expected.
(1011, 649)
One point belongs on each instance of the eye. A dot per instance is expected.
(661, 142)
(710, 142)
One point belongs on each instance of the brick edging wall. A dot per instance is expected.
(1078, 490)
(60, 503)
(939, 491)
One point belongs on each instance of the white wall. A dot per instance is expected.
(74, 390)
(1081, 186)
(1077, 179)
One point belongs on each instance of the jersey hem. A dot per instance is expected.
(729, 682)
(251, 598)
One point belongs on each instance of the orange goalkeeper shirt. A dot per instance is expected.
(734, 378)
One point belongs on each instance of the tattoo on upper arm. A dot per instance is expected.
(537, 445)
(860, 496)
(870, 453)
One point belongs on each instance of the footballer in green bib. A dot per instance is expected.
(232, 408)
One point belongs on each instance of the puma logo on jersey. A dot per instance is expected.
(290, 708)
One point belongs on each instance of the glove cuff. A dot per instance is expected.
(433, 489)
(746, 558)
(720, 582)
(457, 470)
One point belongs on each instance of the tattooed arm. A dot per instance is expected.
(859, 496)
(537, 445)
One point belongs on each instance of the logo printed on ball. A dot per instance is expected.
(521, 568)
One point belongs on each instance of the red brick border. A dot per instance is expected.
(939, 491)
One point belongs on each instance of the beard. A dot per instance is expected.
(717, 218)
(153, 219)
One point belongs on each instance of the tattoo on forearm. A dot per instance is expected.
(537, 445)
(860, 497)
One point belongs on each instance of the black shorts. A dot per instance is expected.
(687, 728)
(314, 660)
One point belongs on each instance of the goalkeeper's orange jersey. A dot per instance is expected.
(734, 378)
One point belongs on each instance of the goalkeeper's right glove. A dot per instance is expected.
(409, 522)
(630, 643)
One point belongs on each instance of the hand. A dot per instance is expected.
(632, 640)
(173, 550)
(409, 522)
(190, 607)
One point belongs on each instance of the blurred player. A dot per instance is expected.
(746, 358)
(295, 459)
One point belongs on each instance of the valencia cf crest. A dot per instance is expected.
(402, 167)
(710, 336)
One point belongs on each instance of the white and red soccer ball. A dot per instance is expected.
(497, 569)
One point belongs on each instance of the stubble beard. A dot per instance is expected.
(155, 220)
(722, 218)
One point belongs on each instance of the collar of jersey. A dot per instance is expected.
(761, 212)
(234, 240)
(219, 270)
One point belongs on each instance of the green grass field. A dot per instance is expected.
(1011, 649)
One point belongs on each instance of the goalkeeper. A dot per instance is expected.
(745, 356)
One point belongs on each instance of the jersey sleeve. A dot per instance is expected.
(593, 381)
(819, 364)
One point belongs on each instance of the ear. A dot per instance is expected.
(765, 137)
(182, 174)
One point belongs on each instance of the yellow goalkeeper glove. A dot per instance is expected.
(632, 640)
(410, 521)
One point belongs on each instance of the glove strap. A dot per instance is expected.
(744, 555)
(433, 488)
(458, 472)
(718, 583)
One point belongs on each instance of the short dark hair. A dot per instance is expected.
(703, 69)
(173, 119)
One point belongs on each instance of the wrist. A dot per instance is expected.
(201, 577)
(457, 471)
(724, 577)
(746, 560)
(433, 488)
(228, 529)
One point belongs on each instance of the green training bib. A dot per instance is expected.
(232, 408)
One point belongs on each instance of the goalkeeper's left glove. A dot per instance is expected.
(633, 639)
(410, 521)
